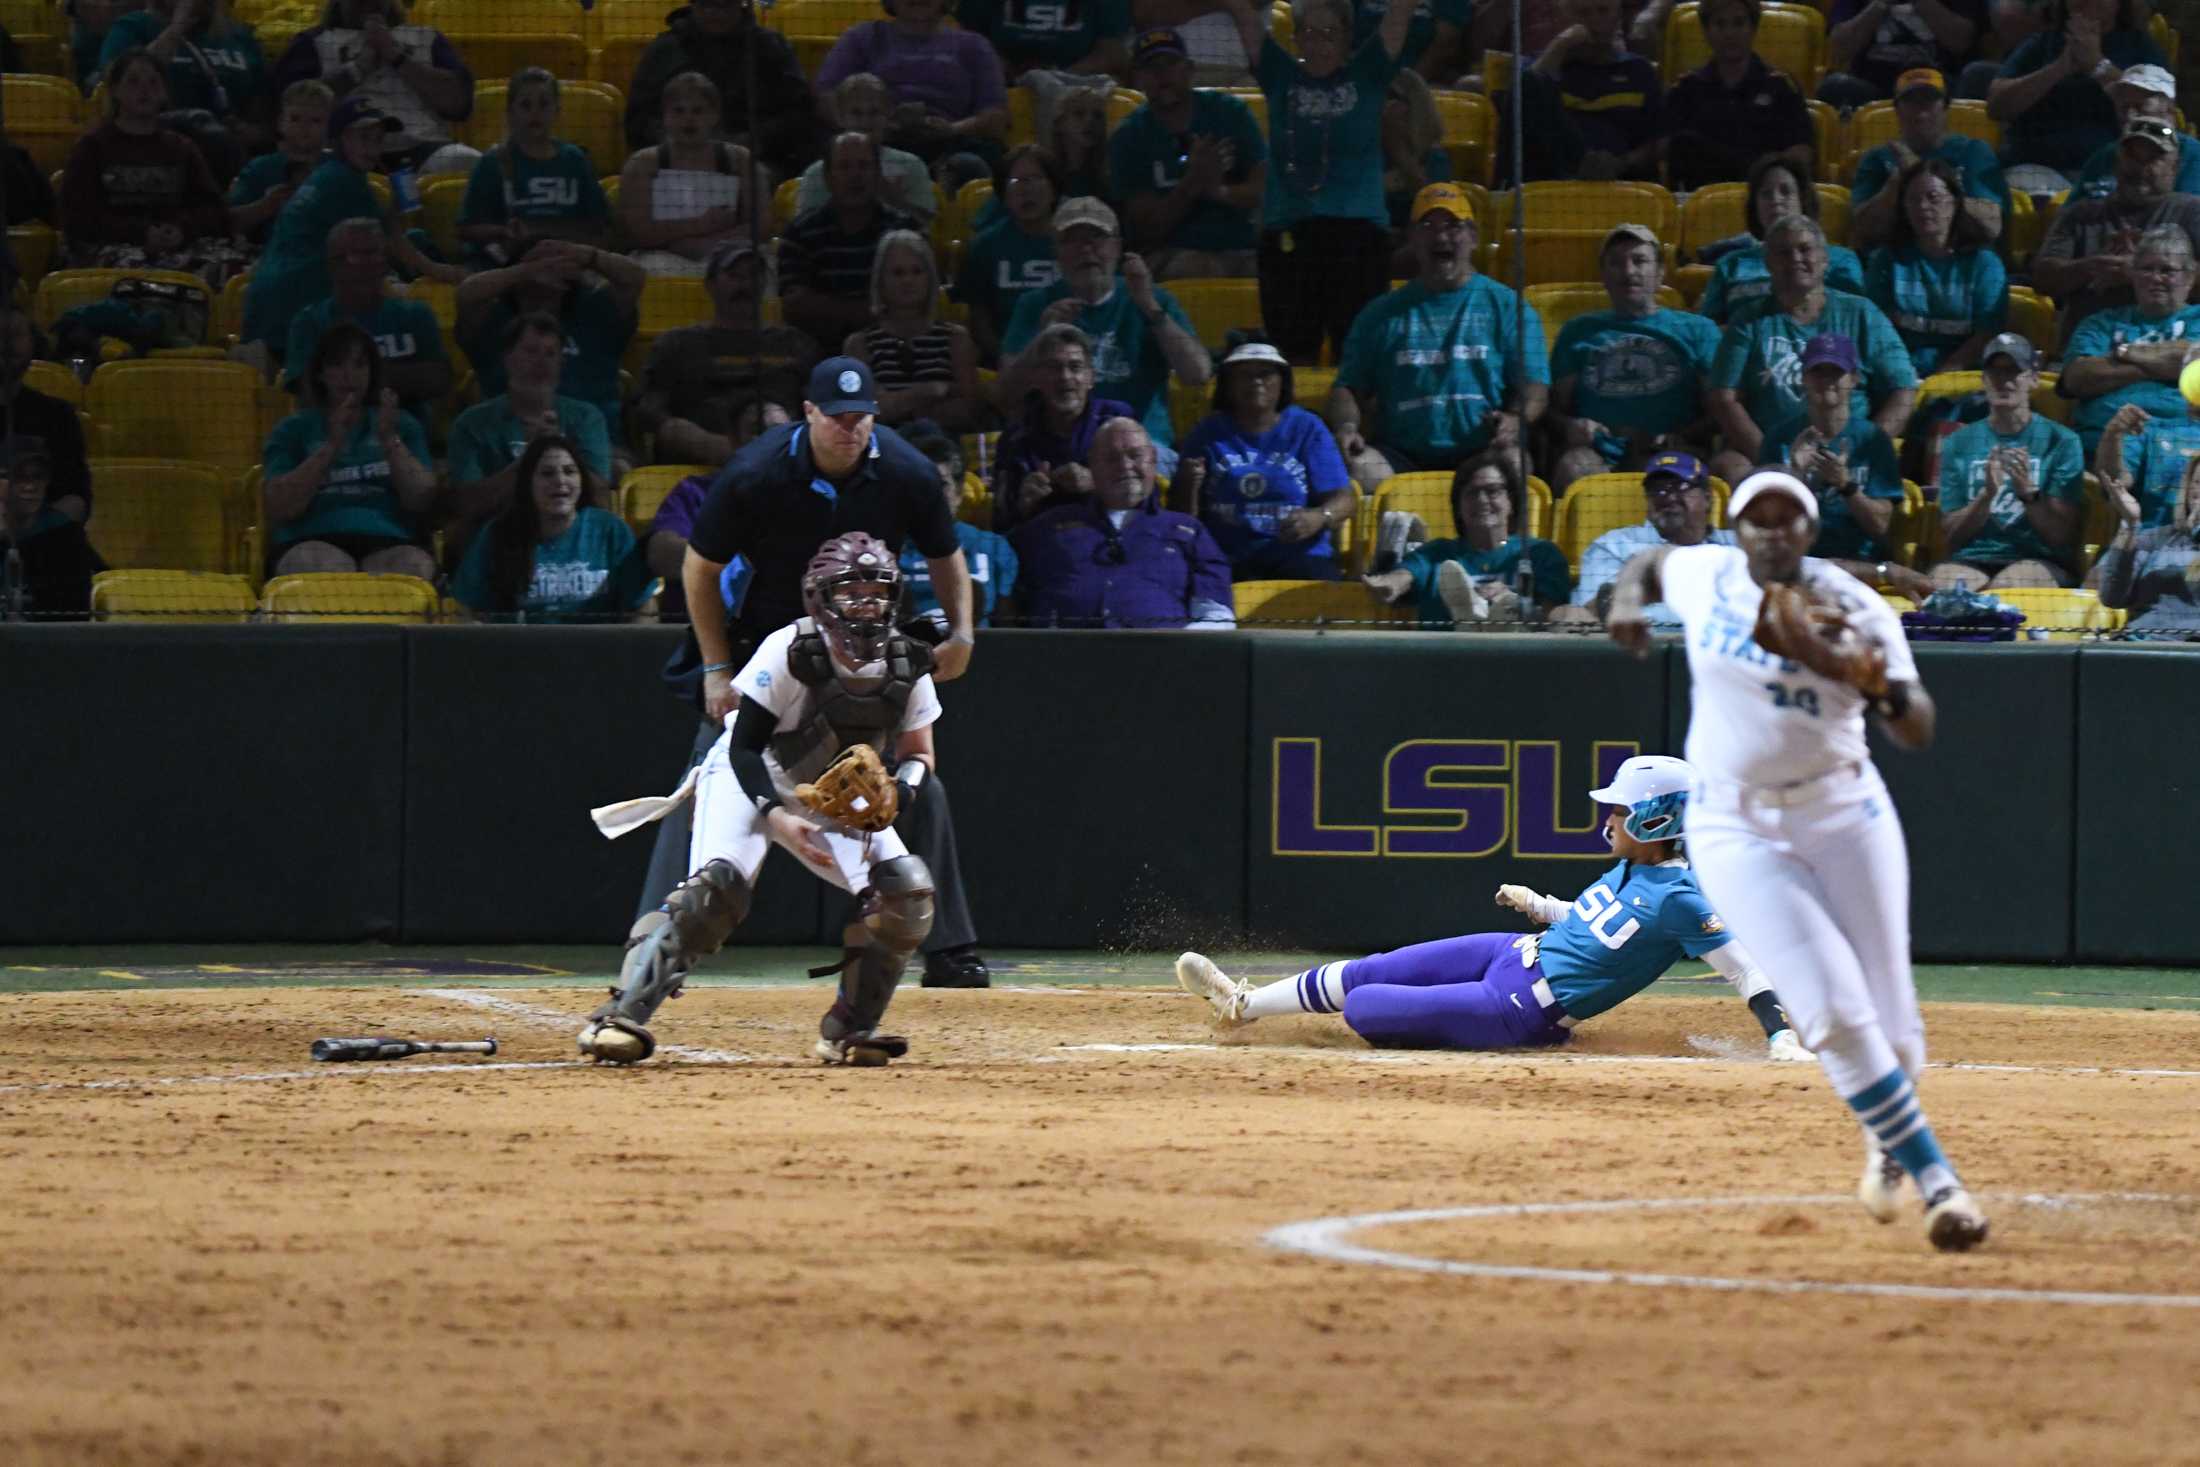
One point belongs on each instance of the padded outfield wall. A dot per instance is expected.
(1336, 791)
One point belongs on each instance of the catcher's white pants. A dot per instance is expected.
(1814, 880)
(727, 827)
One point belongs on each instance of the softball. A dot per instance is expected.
(2188, 382)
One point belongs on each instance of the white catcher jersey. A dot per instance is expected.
(767, 679)
(1754, 718)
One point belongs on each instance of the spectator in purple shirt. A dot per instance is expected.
(667, 541)
(1041, 462)
(1119, 559)
(950, 99)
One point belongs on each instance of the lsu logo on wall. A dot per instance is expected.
(1454, 799)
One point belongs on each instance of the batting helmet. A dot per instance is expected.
(1653, 790)
(851, 589)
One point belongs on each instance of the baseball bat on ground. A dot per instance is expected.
(383, 1048)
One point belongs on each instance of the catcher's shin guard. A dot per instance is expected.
(897, 913)
(697, 917)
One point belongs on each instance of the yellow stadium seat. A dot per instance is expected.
(1218, 306)
(1828, 141)
(953, 223)
(440, 200)
(1597, 206)
(1283, 25)
(348, 596)
(2049, 403)
(1023, 117)
(37, 27)
(1876, 124)
(2165, 37)
(165, 514)
(977, 502)
(64, 290)
(45, 115)
(1947, 384)
(612, 62)
(1311, 603)
(441, 298)
(2063, 613)
(591, 116)
(1428, 494)
(33, 246)
(783, 204)
(503, 17)
(1721, 210)
(2032, 316)
(645, 19)
(171, 596)
(1558, 304)
(489, 51)
(1122, 102)
(669, 301)
(1469, 134)
(1556, 256)
(1598, 503)
(203, 411)
(1257, 100)
(55, 380)
(1691, 280)
(646, 488)
(1791, 38)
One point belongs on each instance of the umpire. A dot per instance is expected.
(773, 504)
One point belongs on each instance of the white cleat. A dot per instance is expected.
(1953, 1221)
(1785, 1048)
(1880, 1188)
(1202, 979)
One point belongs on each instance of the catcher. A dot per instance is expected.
(800, 766)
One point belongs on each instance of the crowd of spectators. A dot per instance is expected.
(1041, 361)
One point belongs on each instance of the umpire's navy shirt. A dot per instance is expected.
(770, 506)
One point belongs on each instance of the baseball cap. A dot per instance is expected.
(1683, 466)
(1449, 198)
(2150, 78)
(1640, 233)
(1920, 79)
(2150, 130)
(1158, 44)
(842, 385)
(352, 111)
(1830, 349)
(1772, 481)
(727, 255)
(1086, 212)
(2009, 344)
(1256, 351)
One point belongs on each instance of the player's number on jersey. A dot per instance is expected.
(1597, 907)
(1802, 700)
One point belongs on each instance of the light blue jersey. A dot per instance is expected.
(1627, 927)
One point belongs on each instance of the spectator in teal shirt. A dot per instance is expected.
(266, 183)
(1325, 229)
(992, 560)
(348, 481)
(553, 278)
(1014, 254)
(552, 557)
(1471, 581)
(1081, 36)
(1849, 463)
(2150, 457)
(1921, 109)
(405, 332)
(531, 186)
(2136, 353)
(1778, 189)
(1188, 169)
(1939, 281)
(2150, 92)
(1139, 332)
(1628, 382)
(2011, 490)
(1451, 362)
(490, 437)
(1757, 377)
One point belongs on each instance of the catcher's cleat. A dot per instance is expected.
(956, 967)
(1880, 1188)
(863, 1049)
(1953, 1221)
(616, 1041)
(1787, 1049)
(1201, 978)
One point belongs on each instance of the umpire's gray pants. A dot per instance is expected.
(927, 827)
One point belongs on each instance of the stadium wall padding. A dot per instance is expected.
(1341, 791)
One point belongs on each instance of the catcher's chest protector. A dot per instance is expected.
(843, 717)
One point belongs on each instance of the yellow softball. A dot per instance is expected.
(2188, 382)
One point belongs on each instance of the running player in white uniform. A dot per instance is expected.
(1791, 831)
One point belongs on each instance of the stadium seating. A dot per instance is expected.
(499, 37)
(172, 597)
(204, 411)
(1216, 307)
(645, 488)
(55, 380)
(348, 597)
(1469, 134)
(2032, 316)
(1721, 211)
(1557, 256)
(1428, 494)
(40, 31)
(1791, 38)
(1555, 305)
(1875, 124)
(45, 116)
(1311, 602)
(1597, 503)
(591, 115)
(166, 514)
(34, 246)
(1598, 206)
(440, 200)
(2062, 613)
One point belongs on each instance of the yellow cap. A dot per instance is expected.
(1450, 198)
(1920, 77)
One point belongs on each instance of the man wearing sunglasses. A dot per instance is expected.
(2087, 260)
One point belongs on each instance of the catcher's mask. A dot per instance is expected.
(1653, 790)
(850, 589)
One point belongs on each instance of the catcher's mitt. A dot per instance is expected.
(1792, 625)
(855, 789)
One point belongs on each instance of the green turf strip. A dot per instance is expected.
(63, 969)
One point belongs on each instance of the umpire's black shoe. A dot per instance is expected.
(957, 967)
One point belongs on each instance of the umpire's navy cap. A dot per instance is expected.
(842, 385)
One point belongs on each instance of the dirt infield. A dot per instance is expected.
(1015, 1249)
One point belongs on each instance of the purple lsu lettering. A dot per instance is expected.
(1459, 799)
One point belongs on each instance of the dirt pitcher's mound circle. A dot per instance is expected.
(2092, 1237)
